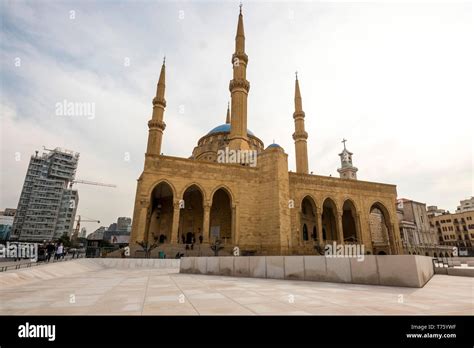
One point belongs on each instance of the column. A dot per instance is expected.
(319, 225)
(175, 226)
(358, 228)
(205, 223)
(139, 230)
(300, 228)
(340, 232)
(234, 229)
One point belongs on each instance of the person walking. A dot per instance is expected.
(50, 250)
(59, 251)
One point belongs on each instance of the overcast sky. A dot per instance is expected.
(395, 79)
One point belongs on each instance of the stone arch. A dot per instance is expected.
(191, 215)
(165, 181)
(160, 213)
(221, 215)
(350, 221)
(329, 219)
(225, 188)
(308, 218)
(381, 231)
(333, 200)
(199, 186)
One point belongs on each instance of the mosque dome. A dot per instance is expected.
(226, 129)
(274, 145)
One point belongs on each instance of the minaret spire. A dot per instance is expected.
(156, 126)
(240, 36)
(227, 119)
(300, 136)
(239, 89)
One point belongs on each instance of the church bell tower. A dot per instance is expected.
(347, 170)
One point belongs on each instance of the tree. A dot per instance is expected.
(147, 247)
(216, 246)
(65, 240)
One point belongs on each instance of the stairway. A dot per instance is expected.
(203, 249)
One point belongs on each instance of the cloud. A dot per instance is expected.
(394, 79)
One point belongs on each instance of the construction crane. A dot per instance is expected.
(75, 234)
(86, 182)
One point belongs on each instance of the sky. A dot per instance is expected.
(395, 79)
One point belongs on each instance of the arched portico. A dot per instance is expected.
(191, 215)
(350, 222)
(221, 216)
(381, 229)
(308, 219)
(160, 214)
(330, 222)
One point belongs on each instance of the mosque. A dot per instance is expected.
(256, 204)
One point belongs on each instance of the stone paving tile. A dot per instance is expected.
(148, 292)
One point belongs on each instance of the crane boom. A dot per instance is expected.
(86, 182)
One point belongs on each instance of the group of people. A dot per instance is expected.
(190, 240)
(57, 250)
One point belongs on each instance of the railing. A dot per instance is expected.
(34, 264)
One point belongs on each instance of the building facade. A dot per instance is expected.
(465, 205)
(455, 230)
(6, 222)
(235, 190)
(418, 237)
(47, 205)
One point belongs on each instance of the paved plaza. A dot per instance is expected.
(152, 291)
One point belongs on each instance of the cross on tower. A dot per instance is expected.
(240, 7)
(344, 142)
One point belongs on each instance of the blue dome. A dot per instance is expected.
(225, 128)
(273, 145)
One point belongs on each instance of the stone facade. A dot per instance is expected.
(258, 208)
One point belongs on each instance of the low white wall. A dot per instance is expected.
(392, 270)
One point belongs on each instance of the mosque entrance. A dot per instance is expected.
(191, 215)
(308, 219)
(329, 220)
(349, 222)
(221, 216)
(160, 219)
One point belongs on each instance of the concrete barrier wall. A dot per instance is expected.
(390, 270)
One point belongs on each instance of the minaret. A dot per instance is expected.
(300, 135)
(347, 170)
(156, 126)
(227, 119)
(239, 89)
